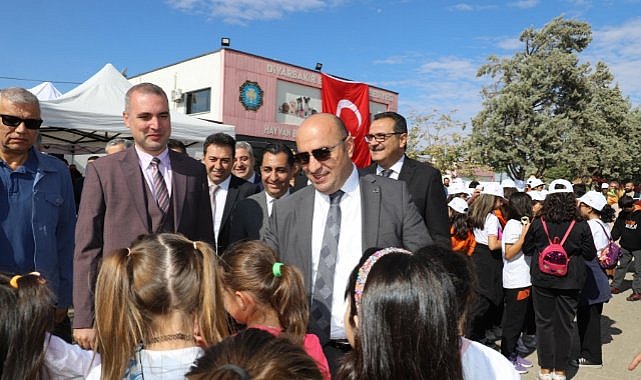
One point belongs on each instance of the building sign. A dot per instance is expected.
(279, 131)
(251, 95)
(292, 73)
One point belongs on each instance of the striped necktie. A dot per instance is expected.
(160, 188)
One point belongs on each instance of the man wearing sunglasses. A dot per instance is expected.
(36, 189)
(387, 140)
(324, 228)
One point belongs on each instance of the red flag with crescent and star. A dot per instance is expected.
(349, 101)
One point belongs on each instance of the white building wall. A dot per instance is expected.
(191, 75)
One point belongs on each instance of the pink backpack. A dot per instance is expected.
(553, 259)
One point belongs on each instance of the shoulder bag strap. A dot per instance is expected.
(605, 231)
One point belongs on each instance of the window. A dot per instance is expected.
(199, 101)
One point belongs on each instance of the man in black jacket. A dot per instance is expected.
(387, 140)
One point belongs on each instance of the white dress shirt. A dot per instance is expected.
(270, 201)
(396, 168)
(350, 245)
(144, 160)
(221, 197)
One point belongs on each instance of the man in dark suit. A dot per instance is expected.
(225, 189)
(323, 229)
(141, 190)
(387, 140)
(250, 217)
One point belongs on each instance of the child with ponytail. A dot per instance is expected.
(157, 304)
(263, 293)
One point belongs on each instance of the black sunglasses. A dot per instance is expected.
(14, 122)
(320, 154)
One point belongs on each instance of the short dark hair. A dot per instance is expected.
(145, 88)
(626, 201)
(400, 124)
(220, 139)
(276, 148)
(176, 144)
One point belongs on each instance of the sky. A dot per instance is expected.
(427, 51)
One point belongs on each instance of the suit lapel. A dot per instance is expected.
(262, 202)
(134, 178)
(230, 200)
(178, 187)
(306, 215)
(407, 170)
(371, 210)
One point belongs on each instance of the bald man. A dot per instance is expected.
(297, 224)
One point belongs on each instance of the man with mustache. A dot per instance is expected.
(387, 140)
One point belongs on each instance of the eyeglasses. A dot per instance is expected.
(14, 122)
(380, 137)
(320, 154)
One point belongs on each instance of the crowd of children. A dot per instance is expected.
(432, 313)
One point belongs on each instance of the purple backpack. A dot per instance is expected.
(609, 256)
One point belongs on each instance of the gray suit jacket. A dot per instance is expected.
(249, 219)
(428, 194)
(113, 213)
(389, 219)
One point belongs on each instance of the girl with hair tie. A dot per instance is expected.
(157, 303)
(27, 350)
(405, 316)
(265, 294)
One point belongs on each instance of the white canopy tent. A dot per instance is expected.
(45, 91)
(83, 119)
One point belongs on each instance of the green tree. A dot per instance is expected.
(546, 110)
(437, 138)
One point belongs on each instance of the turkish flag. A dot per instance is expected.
(350, 102)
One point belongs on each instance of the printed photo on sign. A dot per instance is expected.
(295, 102)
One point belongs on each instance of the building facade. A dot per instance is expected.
(264, 99)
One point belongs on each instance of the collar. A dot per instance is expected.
(145, 158)
(223, 185)
(269, 197)
(398, 165)
(350, 186)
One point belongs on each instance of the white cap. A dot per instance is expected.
(493, 188)
(459, 205)
(594, 199)
(536, 195)
(564, 186)
(508, 183)
(456, 188)
(535, 182)
(605, 185)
